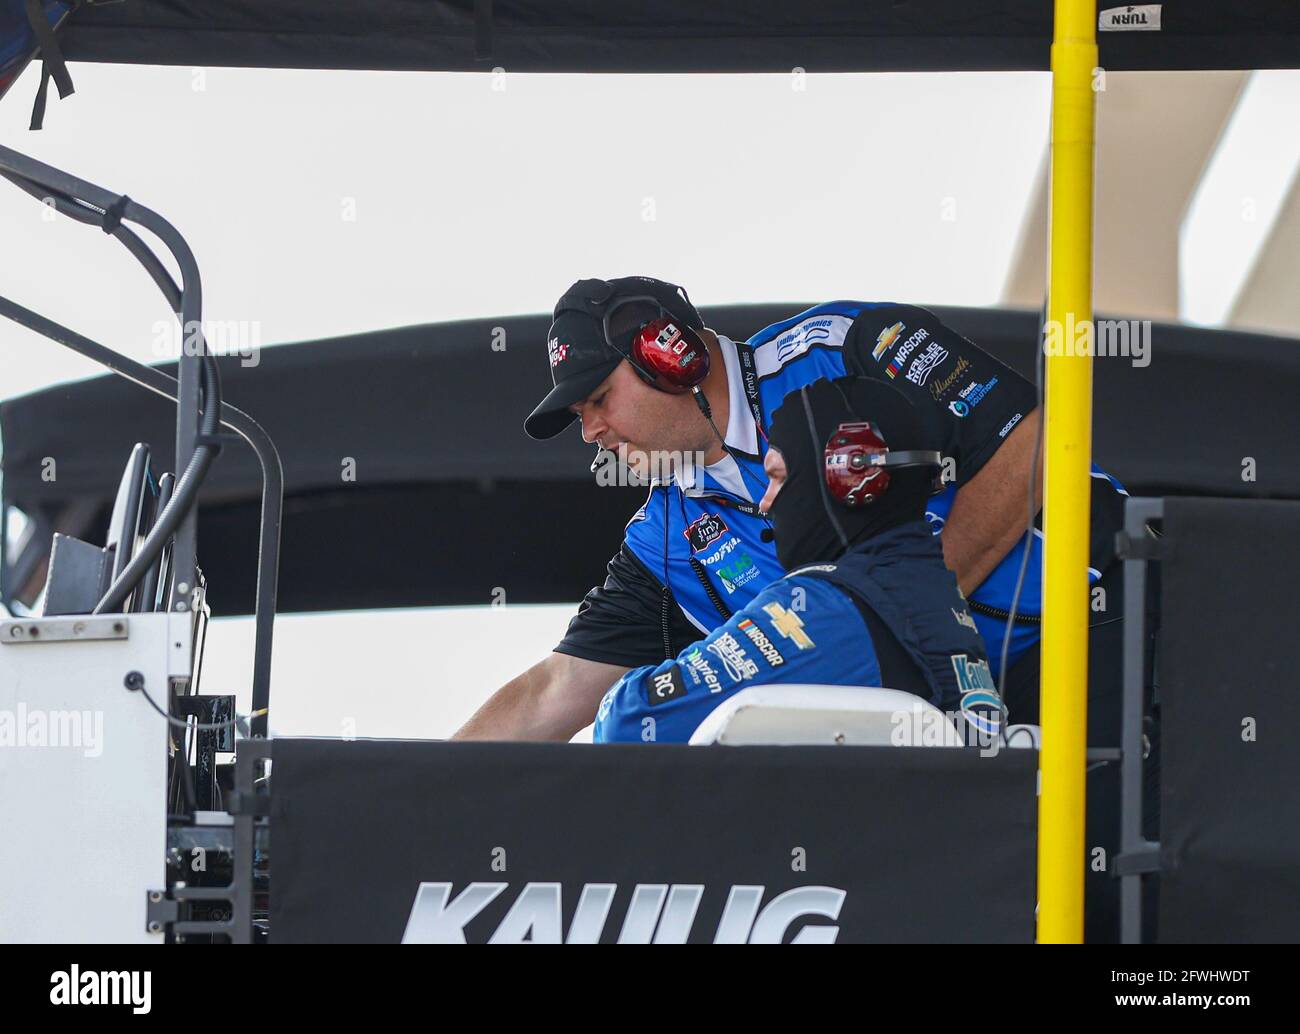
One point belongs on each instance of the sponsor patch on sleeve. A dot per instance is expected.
(924, 364)
(734, 660)
(665, 686)
(765, 646)
(789, 625)
(701, 671)
(885, 340)
(980, 704)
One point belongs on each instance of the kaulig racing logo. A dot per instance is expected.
(658, 913)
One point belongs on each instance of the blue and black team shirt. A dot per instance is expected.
(693, 557)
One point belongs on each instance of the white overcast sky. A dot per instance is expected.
(476, 195)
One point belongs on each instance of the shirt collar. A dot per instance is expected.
(741, 433)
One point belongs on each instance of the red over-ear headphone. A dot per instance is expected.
(858, 463)
(666, 352)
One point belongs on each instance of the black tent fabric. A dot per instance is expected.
(669, 35)
(409, 480)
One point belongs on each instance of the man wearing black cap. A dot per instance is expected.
(868, 601)
(632, 360)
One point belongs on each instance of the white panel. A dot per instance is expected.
(84, 815)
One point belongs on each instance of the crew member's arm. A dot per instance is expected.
(617, 627)
(983, 412)
(990, 510)
(552, 700)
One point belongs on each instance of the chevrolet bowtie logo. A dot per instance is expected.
(885, 340)
(789, 625)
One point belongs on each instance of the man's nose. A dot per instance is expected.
(592, 426)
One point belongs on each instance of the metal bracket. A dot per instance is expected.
(1146, 547)
(1141, 860)
(62, 630)
(1138, 545)
(160, 910)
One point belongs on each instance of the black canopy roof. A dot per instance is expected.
(665, 35)
(452, 500)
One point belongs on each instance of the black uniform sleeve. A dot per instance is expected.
(972, 400)
(621, 621)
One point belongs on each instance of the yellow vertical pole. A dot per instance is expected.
(1067, 485)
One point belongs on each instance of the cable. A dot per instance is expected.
(702, 575)
(821, 480)
(1032, 513)
(185, 772)
(703, 403)
(666, 593)
(239, 722)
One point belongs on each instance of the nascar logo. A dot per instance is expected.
(904, 350)
(770, 653)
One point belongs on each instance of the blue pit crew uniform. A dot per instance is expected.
(887, 613)
(693, 557)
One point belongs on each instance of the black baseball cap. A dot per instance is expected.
(580, 356)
